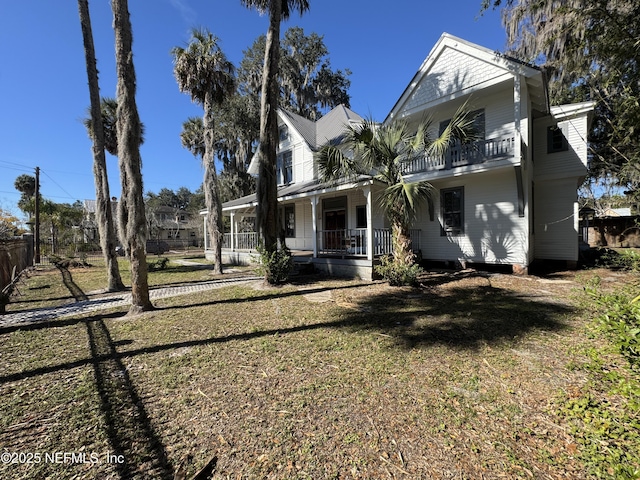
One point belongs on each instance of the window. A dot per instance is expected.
(478, 124)
(361, 216)
(285, 168)
(283, 133)
(556, 139)
(452, 210)
(290, 221)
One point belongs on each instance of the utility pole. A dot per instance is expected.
(37, 214)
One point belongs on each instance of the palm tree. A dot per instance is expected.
(104, 214)
(203, 71)
(108, 113)
(192, 136)
(267, 191)
(383, 151)
(133, 224)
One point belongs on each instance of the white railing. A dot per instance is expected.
(241, 240)
(347, 242)
(353, 242)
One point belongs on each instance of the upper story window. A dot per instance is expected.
(285, 168)
(452, 211)
(478, 124)
(557, 139)
(283, 133)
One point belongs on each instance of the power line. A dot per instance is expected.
(17, 165)
(58, 185)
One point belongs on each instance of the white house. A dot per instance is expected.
(508, 199)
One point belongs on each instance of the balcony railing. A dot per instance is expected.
(464, 154)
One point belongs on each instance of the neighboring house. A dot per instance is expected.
(89, 223)
(174, 226)
(508, 199)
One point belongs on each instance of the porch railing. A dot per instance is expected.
(464, 154)
(348, 242)
(242, 241)
(353, 242)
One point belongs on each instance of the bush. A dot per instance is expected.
(275, 266)
(398, 274)
(620, 322)
(620, 260)
(603, 414)
(160, 264)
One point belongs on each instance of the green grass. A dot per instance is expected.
(464, 377)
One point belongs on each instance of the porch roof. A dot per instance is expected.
(297, 190)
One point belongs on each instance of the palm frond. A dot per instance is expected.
(334, 164)
(460, 129)
(401, 200)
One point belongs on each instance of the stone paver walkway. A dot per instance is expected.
(114, 300)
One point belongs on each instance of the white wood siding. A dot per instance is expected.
(556, 221)
(302, 156)
(571, 163)
(303, 226)
(493, 231)
(453, 71)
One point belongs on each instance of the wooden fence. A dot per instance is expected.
(14, 253)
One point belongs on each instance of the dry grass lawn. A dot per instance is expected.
(321, 378)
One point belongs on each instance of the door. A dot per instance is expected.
(335, 222)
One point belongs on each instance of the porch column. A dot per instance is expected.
(206, 233)
(314, 215)
(517, 116)
(369, 196)
(232, 240)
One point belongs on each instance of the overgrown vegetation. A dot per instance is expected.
(623, 259)
(605, 413)
(159, 264)
(275, 266)
(396, 273)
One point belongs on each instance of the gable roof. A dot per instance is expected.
(329, 128)
(456, 67)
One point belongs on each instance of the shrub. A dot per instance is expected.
(275, 266)
(603, 414)
(160, 264)
(396, 273)
(621, 260)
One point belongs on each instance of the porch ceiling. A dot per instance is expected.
(296, 190)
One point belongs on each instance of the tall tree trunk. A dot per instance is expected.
(402, 250)
(134, 233)
(104, 213)
(267, 189)
(211, 190)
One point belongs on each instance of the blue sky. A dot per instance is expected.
(44, 93)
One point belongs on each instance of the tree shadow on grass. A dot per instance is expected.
(464, 318)
(131, 435)
(459, 317)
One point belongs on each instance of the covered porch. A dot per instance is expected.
(329, 243)
(337, 228)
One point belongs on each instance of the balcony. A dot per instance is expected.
(459, 155)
